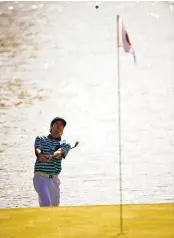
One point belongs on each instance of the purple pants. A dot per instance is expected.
(48, 190)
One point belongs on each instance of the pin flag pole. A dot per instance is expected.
(119, 126)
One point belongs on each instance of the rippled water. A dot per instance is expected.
(60, 58)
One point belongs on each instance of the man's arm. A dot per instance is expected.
(61, 152)
(38, 150)
(65, 149)
(37, 146)
(58, 153)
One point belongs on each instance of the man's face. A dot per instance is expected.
(57, 127)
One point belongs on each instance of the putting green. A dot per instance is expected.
(139, 221)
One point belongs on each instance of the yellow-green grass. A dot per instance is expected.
(139, 221)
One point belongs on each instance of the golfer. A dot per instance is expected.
(50, 151)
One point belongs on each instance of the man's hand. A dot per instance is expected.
(42, 158)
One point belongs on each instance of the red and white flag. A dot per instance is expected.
(127, 46)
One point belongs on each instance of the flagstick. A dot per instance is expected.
(119, 126)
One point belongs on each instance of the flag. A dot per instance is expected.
(127, 46)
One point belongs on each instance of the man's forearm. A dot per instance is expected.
(57, 153)
(38, 151)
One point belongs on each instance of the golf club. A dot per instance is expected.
(76, 144)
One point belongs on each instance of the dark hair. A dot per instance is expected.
(58, 119)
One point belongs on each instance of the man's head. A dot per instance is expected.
(57, 126)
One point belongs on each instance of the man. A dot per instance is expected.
(49, 151)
